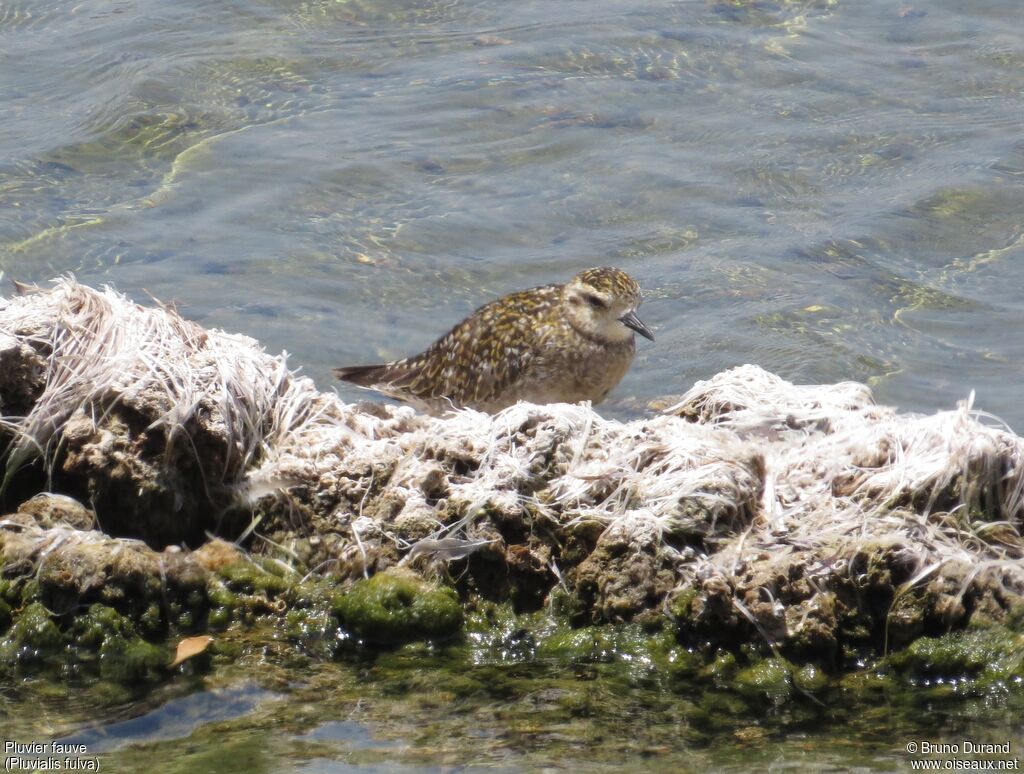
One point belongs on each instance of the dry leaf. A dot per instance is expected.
(189, 647)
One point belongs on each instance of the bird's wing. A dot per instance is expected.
(477, 361)
(486, 354)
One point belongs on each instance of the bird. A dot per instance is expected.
(559, 343)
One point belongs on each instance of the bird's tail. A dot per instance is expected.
(363, 375)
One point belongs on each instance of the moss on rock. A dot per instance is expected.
(98, 624)
(557, 511)
(810, 678)
(33, 636)
(250, 578)
(131, 659)
(771, 678)
(394, 607)
(985, 657)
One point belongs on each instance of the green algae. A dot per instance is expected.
(218, 619)
(397, 606)
(32, 636)
(394, 607)
(220, 595)
(252, 578)
(977, 660)
(529, 683)
(123, 655)
(98, 624)
(721, 670)
(101, 635)
(314, 627)
(867, 685)
(7, 589)
(810, 678)
(681, 605)
(132, 659)
(246, 590)
(643, 652)
(589, 644)
(771, 678)
(151, 621)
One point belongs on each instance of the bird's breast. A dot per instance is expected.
(586, 371)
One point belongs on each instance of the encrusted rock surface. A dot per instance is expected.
(754, 510)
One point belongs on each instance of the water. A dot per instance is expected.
(460, 708)
(830, 189)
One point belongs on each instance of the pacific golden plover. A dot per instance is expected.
(550, 344)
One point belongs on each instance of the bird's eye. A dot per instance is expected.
(595, 302)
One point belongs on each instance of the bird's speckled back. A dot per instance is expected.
(529, 345)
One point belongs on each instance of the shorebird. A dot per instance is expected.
(550, 344)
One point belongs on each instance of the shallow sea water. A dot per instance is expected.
(830, 189)
(426, 709)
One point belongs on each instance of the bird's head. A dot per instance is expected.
(602, 303)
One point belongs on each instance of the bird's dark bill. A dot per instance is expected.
(630, 320)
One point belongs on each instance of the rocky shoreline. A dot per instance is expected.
(163, 480)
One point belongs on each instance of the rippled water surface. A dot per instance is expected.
(833, 189)
(830, 189)
(429, 710)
